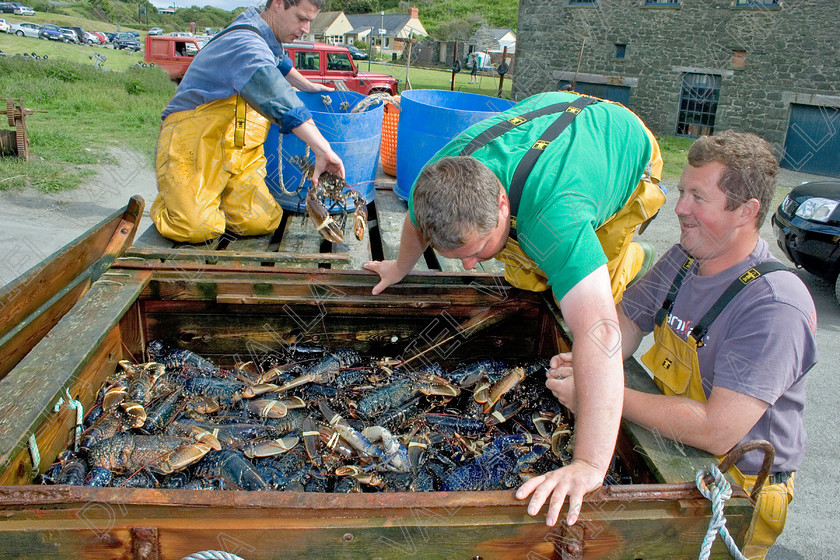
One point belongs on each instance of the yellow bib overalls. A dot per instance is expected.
(211, 173)
(624, 258)
(676, 371)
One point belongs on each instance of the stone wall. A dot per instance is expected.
(790, 55)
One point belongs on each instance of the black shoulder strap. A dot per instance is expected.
(526, 164)
(673, 290)
(500, 128)
(234, 28)
(754, 273)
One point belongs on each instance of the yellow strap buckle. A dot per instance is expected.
(239, 122)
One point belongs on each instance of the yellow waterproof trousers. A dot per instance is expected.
(676, 371)
(211, 174)
(624, 258)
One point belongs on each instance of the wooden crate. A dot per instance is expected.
(296, 244)
(227, 309)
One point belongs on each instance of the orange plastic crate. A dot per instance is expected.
(388, 147)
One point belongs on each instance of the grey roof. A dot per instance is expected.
(499, 32)
(322, 21)
(357, 30)
(392, 23)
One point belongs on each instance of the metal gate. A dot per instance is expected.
(812, 142)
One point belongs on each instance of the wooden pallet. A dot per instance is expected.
(296, 244)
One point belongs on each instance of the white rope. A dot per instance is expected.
(212, 555)
(717, 493)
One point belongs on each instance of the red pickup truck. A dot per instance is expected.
(319, 62)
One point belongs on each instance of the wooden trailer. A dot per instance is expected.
(228, 304)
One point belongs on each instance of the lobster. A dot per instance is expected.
(334, 188)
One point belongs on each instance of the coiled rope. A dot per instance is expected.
(718, 492)
(212, 555)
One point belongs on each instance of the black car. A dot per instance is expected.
(7, 8)
(807, 227)
(125, 41)
(357, 53)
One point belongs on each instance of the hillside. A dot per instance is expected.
(444, 19)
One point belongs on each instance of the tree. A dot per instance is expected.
(102, 9)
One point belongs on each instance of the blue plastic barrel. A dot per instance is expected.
(429, 119)
(355, 137)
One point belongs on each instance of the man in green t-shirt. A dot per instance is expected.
(555, 188)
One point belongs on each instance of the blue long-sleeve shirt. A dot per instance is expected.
(223, 67)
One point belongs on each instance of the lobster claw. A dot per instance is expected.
(324, 223)
(360, 217)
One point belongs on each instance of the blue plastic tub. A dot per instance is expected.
(355, 137)
(429, 119)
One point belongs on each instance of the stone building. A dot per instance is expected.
(690, 67)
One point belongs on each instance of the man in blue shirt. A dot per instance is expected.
(210, 160)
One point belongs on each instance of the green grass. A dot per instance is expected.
(116, 60)
(89, 110)
(674, 156)
(426, 78)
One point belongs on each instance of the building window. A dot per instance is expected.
(583, 3)
(620, 50)
(662, 2)
(739, 59)
(698, 104)
(757, 2)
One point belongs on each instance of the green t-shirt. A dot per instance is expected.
(582, 178)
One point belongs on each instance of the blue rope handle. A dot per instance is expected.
(718, 492)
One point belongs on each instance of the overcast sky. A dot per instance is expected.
(229, 5)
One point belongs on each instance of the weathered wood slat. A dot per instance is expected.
(249, 257)
(65, 354)
(152, 238)
(299, 236)
(31, 305)
(673, 462)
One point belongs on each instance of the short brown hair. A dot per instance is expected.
(455, 198)
(289, 3)
(751, 167)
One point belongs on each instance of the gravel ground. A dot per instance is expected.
(35, 225)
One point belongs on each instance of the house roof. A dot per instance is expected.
(322, 21)
(392, 23)
(499, 32)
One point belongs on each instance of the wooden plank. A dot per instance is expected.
(387, 525)
(64, 354)
(299, 236)
(391, 212)
(152, 238)
(32, 289)
(255, 243)
(34, 303)
(669, 460)
(255, 258)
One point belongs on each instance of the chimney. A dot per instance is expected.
(413, 12)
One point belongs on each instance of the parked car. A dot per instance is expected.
(125, 41)
(5, 27)
(26, 29)
(102, 37)
(328, 64)
(69, 35)
(807, 228)
(356, 53)
(155, 31)
(7, 8)
(22, 10)
(92, 38)
(52, 32)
